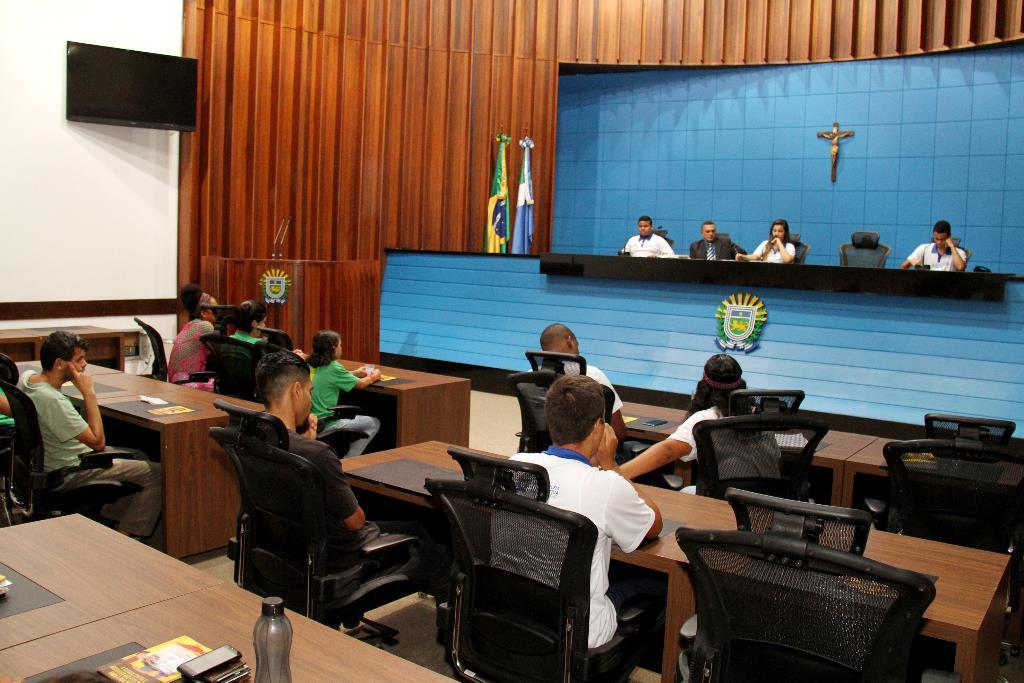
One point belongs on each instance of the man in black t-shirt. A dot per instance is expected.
(284, 384)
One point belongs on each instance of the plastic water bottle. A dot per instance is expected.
(272, 640)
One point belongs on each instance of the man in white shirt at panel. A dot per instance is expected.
(646, 243)
(558, 338)
(583, 479)
(939, 254)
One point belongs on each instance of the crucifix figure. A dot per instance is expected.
(835, 135)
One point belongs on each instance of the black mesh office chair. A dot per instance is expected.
(234, 364)
(159, 369)
(9, 374)
(987, 430)
(276, 337)
(33, 490)
(961, 492)
(775, 607)
(520, 598)
(281, 545)
(801, 248)
(531, 390)
(765, 453)
(558, 363)
(864, 250)
(753, 401)
(8, 369)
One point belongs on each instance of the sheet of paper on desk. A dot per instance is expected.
(152, 400)
(385, 378)
(171, 410)
(627, 420)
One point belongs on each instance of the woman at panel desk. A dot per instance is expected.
(776, 249)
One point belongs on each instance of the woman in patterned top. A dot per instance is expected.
(189, 354)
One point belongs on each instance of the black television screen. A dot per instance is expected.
(129, 88)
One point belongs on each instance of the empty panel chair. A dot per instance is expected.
(802, 248)
(864, 250)
(281, 545)
(988, 430)
(774, 607)
(520, 598)
(764, 453)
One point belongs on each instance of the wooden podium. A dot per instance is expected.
(336, 295)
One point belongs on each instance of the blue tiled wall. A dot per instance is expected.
(885, 357)
(935, 137)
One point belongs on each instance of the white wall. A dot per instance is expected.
(89, 211)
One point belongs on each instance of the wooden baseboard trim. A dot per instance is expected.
(39, 310)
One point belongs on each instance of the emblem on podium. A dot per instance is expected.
(274, 284)
(740, 320)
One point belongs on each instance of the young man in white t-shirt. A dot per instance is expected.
(558, 338)
(583, 478)
(939, 254)
(645, 243)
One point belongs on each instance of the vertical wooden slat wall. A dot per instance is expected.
(371, 124)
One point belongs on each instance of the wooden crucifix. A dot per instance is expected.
(835, 135)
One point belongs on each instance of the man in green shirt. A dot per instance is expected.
(67, 435)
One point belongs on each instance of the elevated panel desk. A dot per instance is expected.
(106, 346)
(970, 590)
(149, 598)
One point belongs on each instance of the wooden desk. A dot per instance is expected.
(970, 590)
(106, 346)
(201, 497)
(97, 572)
(425, 406)
(136, 594)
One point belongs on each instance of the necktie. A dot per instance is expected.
(711, 251)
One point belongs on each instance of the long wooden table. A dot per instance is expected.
(107, 346)
(118, 591)
(98, 572)
(971, 587)
(200, 486)
(424, 406)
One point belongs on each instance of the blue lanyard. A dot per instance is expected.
(566, 453)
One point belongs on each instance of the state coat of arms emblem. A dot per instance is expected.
(274, 284)
(740, 320)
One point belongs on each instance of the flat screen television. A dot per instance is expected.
(130, 88)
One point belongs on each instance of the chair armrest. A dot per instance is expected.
(344, 412)
(878, 509)
(232, 549)
(104, 459)
(386, 542)
(674, 481)
(332, 586)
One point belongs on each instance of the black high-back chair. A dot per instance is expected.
(520, 599)
(956, 491)
(833, 527)
(754, 401)
(234, 362)
(32, 489)
(987, 430)
(281, 546)
(775, 607)
(558, 363)
(765, 453)
(276, 337)
(531, 390)
(8, 369)
(801, 248)
(864, 250)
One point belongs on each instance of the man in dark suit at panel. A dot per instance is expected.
(712, 246)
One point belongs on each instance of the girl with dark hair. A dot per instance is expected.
(776, 249)
(330, 379)
(252, 315)
(189, 354)
(722, 376)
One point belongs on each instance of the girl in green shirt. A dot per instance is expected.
(330, 378)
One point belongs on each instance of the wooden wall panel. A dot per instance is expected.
(371, 124)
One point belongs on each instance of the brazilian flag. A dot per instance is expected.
(496, 235)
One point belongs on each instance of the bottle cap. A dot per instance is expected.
(273, 606)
